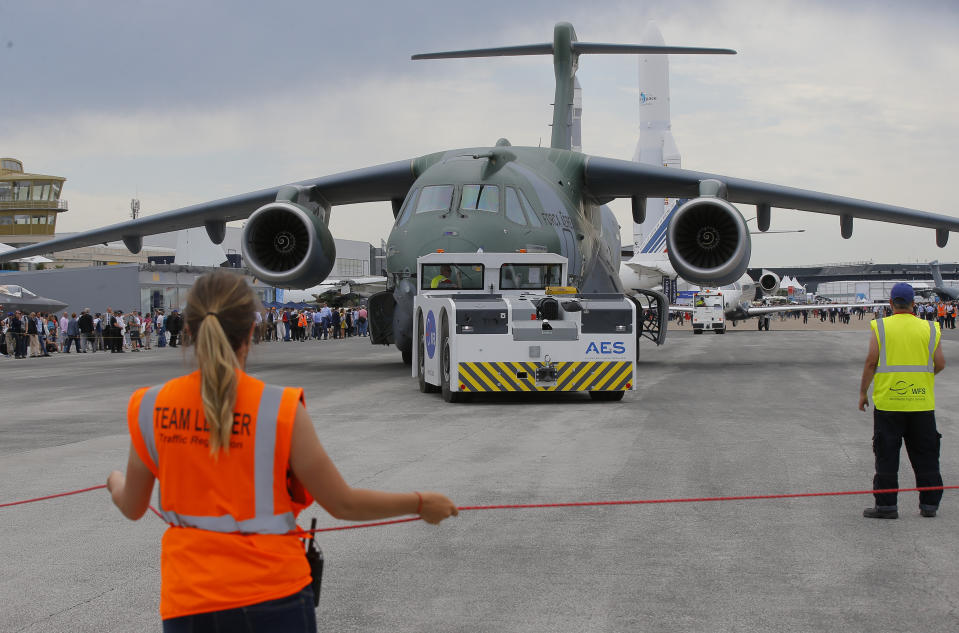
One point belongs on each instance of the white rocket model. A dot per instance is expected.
(656, 145)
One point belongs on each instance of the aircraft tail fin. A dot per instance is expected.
(656, 242)
(566, 50)
(936, 274)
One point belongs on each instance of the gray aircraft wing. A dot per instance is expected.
(608, 178)
(390, 181)
(760, 310)
(754, 311)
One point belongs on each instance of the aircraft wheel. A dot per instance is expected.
(606, 396)
(425, 387)
(407, 356)
(448, 394)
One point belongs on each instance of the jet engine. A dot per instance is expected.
(769, 282)
(708, 242)
(287, 245)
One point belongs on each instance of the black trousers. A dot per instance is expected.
(116, 339)
(21, 341)
(918, 430)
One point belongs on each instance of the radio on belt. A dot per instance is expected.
(496, 322)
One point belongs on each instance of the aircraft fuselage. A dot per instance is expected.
(500, 199)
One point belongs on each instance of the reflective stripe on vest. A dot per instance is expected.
(264, 521)
(884, 368)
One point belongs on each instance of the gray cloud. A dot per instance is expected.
(184, 102)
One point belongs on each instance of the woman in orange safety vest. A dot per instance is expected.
(236, 461)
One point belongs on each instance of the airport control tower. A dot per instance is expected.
(29, 204)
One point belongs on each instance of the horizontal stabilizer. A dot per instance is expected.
(578, 48)
(503, 51)
(581, 48)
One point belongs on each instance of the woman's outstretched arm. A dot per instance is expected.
(316, 471)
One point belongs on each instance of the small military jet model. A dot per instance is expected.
(504, 199)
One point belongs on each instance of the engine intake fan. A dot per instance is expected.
(287, 245)
(769, 282)
(708, 242)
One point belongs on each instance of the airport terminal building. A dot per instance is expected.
(159, 282)
(125, 287)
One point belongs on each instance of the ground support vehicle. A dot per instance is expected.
(709, 313)
(504, 322)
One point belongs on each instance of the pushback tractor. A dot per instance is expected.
(504, 322)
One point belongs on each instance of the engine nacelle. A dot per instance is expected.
(769, 282)
(287, 245)
(708, 242)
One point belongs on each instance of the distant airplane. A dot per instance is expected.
(502, 198)
(940, 289)
(363, 286)
(14, 297)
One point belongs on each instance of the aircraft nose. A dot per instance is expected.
(451, 241)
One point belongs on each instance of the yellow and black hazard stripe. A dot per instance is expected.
(572, 376)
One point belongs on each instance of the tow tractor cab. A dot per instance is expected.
(709, 312)
(495, 322)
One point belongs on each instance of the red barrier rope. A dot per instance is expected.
(633, 502)
(62, 494)
(569, 504)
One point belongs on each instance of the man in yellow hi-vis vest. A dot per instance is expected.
(444, 279)
(904, 357)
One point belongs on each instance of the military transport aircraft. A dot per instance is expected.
(501, 198)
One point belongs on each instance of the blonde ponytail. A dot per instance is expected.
(218, 364)
(219, 318)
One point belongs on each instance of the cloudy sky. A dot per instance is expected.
(180, 102)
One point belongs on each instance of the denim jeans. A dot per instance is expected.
(292, 614)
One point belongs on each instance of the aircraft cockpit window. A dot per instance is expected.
(435, 198)
(480, 198)
(514, 212)
(407, 209)
(452, 277)
(530, 276)
(533, 219)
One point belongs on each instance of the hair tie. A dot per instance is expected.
(212, 313)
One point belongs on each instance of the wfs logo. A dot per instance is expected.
(645, 98)
(902, 388)
(606, 347)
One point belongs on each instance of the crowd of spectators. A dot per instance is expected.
(39, 334)
(943, 311)
(321, 324)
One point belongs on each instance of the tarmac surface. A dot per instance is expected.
(740, 414)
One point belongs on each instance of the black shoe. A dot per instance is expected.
(927, 512)
(876, 513)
